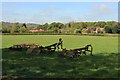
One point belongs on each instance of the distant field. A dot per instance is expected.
(104, 63)
(99, 43)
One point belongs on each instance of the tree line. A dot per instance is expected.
(57, 27)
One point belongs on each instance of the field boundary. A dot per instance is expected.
(111, 35)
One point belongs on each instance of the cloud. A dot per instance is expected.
(48, 14)
(49, 11)
(98, 11)
(101, 8)
(66, 18)
(8, 5)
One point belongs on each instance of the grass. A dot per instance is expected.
(104, 63)
(100, 44)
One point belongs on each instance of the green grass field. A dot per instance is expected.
(100, 44)
(103, 64)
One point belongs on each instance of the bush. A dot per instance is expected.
(108, 29)
(77, 31)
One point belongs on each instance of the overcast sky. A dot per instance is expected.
(42, 12)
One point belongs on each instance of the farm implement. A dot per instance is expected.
(42, 49)
(75, 53)
(34, 48)
(24, 46)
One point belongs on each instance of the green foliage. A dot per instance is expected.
(100, 24)
(22, 29)
(45, 26)
(24, 25)
(108, 29)
(116, 28)
(57, 27)
(13, 27)
(77, 31)
(40, 27)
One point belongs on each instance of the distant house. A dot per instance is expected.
(99, 30)
(34, 31)
(64, 31)
(93, 30)
(86, 30)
